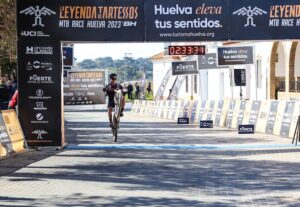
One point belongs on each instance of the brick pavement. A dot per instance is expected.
(127, 177)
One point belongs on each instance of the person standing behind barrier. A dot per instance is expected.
(14, 100)
(130, 90)
(4, 96)
(149, 89)
(137, 91)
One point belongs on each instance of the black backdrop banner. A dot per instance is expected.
(158, 20)
(264, 20)
(186, 20)
(39, 86)
(77, 20)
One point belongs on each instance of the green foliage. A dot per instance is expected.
(8, 37)
(126, 69)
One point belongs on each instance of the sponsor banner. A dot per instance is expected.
(238, 113)
(175, 110)
(210, 111)
(185, 20)
(287, 118)
(172, 109)
(84, 87)
(184, 68)
(264, 20)
(14, 130)
(272, 115)
(235, 55)
(200, 111)
(208, 61)
(244, 112)
(176, 87)
(77, 20)
(163, 109)
(294, 119)
(263, 116)
(161, 90)
(5, 142)
(224, 112)
(246, 129)
(206, 124)
(39, 91)
(254, 112)
(206, 110)
(218, 113)
(250, 112)
(184, 120)
(229, 117)
(280, 113)
(193, 111)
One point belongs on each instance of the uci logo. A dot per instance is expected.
(28, 33)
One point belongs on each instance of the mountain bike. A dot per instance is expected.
(117, 112)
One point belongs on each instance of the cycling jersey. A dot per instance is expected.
(111, 93)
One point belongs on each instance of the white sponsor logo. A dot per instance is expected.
(250, 13)
(35, 79)
(246, 129)
(33, 34)
(38, 13)
(39, 65)
(32, 50)
(39, 119)
(39, 133)
(40, 106)
(39, 92)
(39, 95)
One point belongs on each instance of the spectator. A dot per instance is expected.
(14, 101)
(137, 91)
(149, 89)
(130, 90)
(4, 95)
(10, 88)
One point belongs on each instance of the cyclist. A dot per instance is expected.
(110, 92)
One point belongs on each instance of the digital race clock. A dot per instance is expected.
(187, 50)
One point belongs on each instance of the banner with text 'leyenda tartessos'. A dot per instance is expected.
(264, 20)
(78, 20)
(186, 20)
(84, 87)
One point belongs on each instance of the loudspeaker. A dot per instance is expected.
(240, 77)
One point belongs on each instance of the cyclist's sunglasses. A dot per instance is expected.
(114, 78)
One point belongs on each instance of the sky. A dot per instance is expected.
(116, 50)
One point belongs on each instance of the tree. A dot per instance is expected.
(8, 40)
(88, 64)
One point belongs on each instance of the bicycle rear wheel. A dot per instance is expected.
(116, 135)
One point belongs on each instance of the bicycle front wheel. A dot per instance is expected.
(116, 135)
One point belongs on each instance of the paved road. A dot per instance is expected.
(241, 176)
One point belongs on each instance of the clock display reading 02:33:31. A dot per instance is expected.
(187, 50)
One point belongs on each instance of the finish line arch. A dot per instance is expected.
(42, 25)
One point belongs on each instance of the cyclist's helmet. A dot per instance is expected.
(112, 75)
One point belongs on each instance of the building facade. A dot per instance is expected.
(275, 74)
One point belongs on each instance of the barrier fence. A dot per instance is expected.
(271, 117)
(12, 139)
